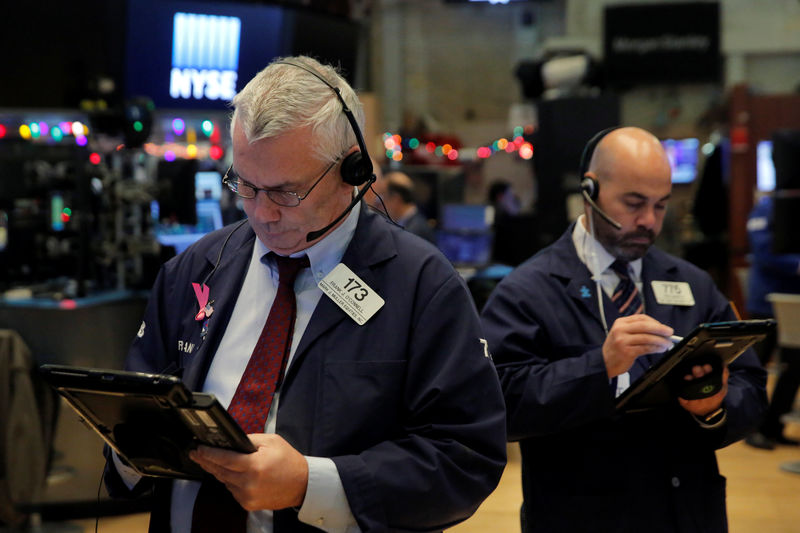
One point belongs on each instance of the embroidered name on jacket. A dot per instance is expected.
(185, 346)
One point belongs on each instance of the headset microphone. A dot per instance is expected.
(313, 235)
(587, 186)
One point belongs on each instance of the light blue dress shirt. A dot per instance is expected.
(325, 505)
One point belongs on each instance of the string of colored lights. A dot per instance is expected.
(395, 147)
(40, 131)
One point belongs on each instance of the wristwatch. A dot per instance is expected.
(713, 419)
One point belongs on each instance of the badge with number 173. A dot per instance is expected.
(351, 294)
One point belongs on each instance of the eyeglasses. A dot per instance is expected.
(283, 198)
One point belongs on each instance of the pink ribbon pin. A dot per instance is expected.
(201, 293)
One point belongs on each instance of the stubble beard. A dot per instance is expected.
(619, 244)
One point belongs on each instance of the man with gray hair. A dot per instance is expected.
(348, 351)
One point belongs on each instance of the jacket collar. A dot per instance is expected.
(565, 266)
(231, 260)
(240, 237)
(371, 245)
(570, 271)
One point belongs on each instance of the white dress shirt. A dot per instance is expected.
(598, 261)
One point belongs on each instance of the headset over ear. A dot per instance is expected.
(356, 167)
(589, 185)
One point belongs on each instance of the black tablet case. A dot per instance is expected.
(152, 421)
(728, 340)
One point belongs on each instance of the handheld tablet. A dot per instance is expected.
(152, 421)
(724, 341)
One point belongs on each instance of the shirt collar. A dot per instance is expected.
(328, 252)
(594, 255)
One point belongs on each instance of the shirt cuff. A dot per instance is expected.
(128, 475)
(325, 505)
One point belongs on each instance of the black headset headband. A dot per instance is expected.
(590, 187)
(591, 145)
(355, 170)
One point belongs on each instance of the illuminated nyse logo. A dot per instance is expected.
(205, 56)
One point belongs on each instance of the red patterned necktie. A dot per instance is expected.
(253, 398)
(626, 296)
(215, 509)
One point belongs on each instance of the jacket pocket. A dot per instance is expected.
(361, 403)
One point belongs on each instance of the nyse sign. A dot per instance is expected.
(195, 83)
(205, 57)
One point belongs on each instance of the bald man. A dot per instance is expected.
(566, 344)
(397, 191)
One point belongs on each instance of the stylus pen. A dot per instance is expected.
(675, 339)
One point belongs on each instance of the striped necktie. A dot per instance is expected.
(626, 296)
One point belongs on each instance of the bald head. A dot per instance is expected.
(401, 186)
(397, 191)
(634, 184)
(631, 152)
(399, 179)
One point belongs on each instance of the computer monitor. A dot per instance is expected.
(208, 185)
(176, 196)
(765, 168)
(207, 192)
(465, 249)
(682, 154)
(466, 217)
(465, 234)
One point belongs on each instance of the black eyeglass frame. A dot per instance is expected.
(231, 179)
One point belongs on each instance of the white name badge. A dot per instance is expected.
(349, 292)
(673, 293)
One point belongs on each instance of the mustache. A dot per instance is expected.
(639, 233)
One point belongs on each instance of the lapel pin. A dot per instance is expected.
(202, 293)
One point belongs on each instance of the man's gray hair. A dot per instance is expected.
(283, 97)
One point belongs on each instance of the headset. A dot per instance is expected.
(222, 248)
(590, 187)
(356, 167)
(356, 170)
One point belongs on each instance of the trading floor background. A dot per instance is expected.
(114, 140)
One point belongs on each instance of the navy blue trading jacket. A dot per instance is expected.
(584, 467)
(408, 405)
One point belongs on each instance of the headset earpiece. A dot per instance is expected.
(591, 187)
(356, 169)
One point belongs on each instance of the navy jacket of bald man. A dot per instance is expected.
(585, 467)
